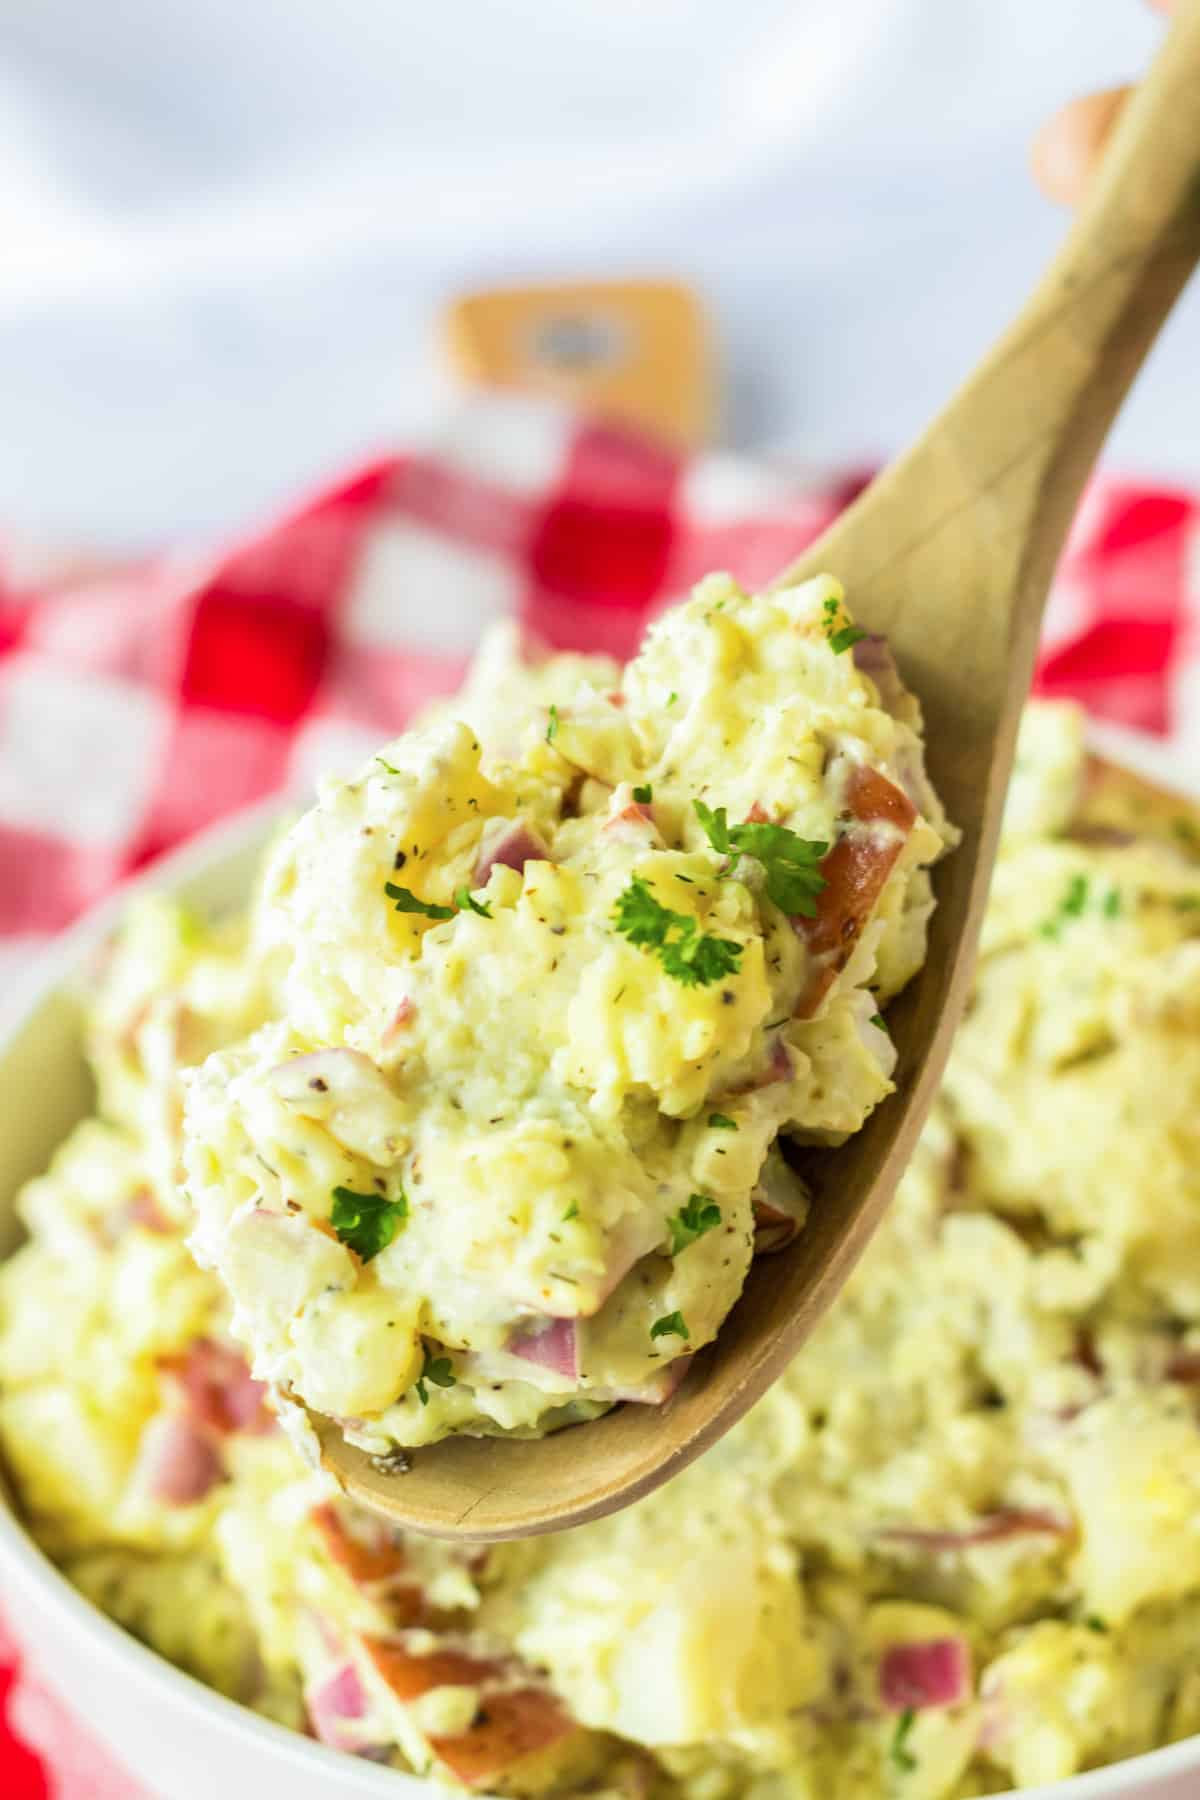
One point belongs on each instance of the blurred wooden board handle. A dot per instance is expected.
(638, 352)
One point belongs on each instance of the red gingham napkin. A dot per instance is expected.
(138, 706)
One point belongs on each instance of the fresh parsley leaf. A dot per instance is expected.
(552, 725)
(838, 637)
(407, 902)
(572, 1212)
(464, 901)
(436, 1369)
(898, 1752)
(672, 1325)
(1076, 897)
(692, 957)
(366, 1223)
(643, 919)
(790, 862)
(698, 960)
(643, 794)
(1071, 906)
(692, 1221)
(716, 828)
(720, 1122)
(391, 769)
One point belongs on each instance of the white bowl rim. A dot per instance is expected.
(64, 960)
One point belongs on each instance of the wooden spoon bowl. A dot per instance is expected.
(950, 553)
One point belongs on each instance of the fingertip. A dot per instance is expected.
(1067, 148)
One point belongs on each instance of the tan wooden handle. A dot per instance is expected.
(1015, 444)
(1082, 337)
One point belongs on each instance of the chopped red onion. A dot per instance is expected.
(511, 846)
(992, 1528)
(217, 1389)
(935, 1673)
(555, 1346)
(176, 1462)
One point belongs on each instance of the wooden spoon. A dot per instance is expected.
(950, 552)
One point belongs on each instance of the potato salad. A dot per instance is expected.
(502, 1154)
(952, 1551)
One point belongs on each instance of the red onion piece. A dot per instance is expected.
(936, 1673)
(873, 657)
(992, 1528)
(399, 1021)
(336, 1710)
(625, 813)
(218, 1391)
(334, 1703)
(176, 1462)
(512, 847)
(143, 1209)
(778, 1067)
(780, 1204)
(555, 1347)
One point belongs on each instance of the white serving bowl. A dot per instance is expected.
(181, 1740)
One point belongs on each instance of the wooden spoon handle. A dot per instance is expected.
(1016, 443)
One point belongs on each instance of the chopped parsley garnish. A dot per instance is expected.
(1187, 903)
(390, 767)
(1095, 1623)
(407, 902)
(1112, 904)
(838, 637)
(880, 1023)
(691, 956)
(366, 1223)
(572, 1212)
(1071, 906)
(672, 697)
(643, 794)
(692, 1221)
(898, 1752)
(552, 725)
(436, 1369)
(720, 1122)
(464, 900)
(790, 863)
(671, 1325)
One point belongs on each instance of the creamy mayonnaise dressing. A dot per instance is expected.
(500, 1159)
(954, 1548)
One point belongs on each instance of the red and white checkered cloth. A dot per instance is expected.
(137, 707)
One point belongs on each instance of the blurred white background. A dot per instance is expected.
(225, 229)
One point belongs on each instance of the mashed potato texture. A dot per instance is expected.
(502, 1155)
(955, 1549)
